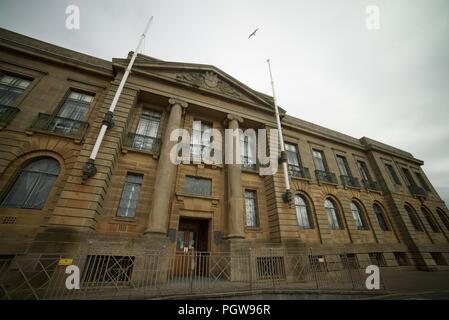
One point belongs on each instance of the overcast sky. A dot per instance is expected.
(390, 84)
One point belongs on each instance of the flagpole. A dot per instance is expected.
(90, 170)
(287, 195)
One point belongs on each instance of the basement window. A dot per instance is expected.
(270, 268)
(439, 259)
(401, 259)
(377, 259)
(318, 263)
(349, 261)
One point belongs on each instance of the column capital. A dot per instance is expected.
(182, 103)
(232, 117)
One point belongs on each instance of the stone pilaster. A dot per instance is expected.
(235, 196)
(165, 173)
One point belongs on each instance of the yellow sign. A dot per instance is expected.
(65, 262)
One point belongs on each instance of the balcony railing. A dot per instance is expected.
(326, 176)
(59, 125)
(349, 181)
(143, 143)
(298, 171)
(371, 185)
(417, 191)
(7, 113)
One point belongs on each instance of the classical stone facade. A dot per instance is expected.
(364, 198)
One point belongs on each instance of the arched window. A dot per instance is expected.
(443, 218)
(380, 217)
(358, 216)
(429, 217)
(33, 184)
(331, 212)
(302, 212)
(413, 218)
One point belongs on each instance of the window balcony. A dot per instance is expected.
(143, 143)
(371, 185)
(7, 113)
(326, 176)
(350, 182)
(417, 191)
(298, 171)
(61, 126)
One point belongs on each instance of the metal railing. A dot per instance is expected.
(349, 181)
(371, 185)
(326, 176)
(59, 125)
(7, 113)
(162, 274)
(417, 191)
(298, 171)
(143, 143)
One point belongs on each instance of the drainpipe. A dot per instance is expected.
(287, 196)
(90, 169)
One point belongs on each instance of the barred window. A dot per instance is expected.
(11, 88)
(130, 196)
(380, 217)
(251, 208)
(198, 186)
(358, 216)
(302, 212)
(331, 212)
(147, 130)
(33, 185)
(413, 218)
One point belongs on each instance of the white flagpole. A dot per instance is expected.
(90, 169)
(281, 137)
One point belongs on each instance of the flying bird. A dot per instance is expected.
(253, 34)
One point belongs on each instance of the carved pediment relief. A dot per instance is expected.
(209, 80)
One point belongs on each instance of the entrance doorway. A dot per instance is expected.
(191, 247)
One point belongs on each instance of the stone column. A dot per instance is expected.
(165, 173)
(235, 196)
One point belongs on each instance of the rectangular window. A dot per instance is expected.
(318, 263)
(377, 259)
(438, 258)
(401, 259)
(198, 186)
(363, 170)
(422, 181)
(130, 196)
(318, 158)
(200, 140)
(349, 261)
(247, 151)
(394, 177)
(147, 130)
(251, 209)
(293, 160)
(11, 88)
(73, 111)
(343, 166)
(408, 177)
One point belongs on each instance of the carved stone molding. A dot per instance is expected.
(211, 81)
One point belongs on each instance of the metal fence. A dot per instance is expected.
(162, 274)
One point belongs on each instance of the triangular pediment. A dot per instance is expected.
(205, 78)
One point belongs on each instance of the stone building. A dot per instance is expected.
(358, 197)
